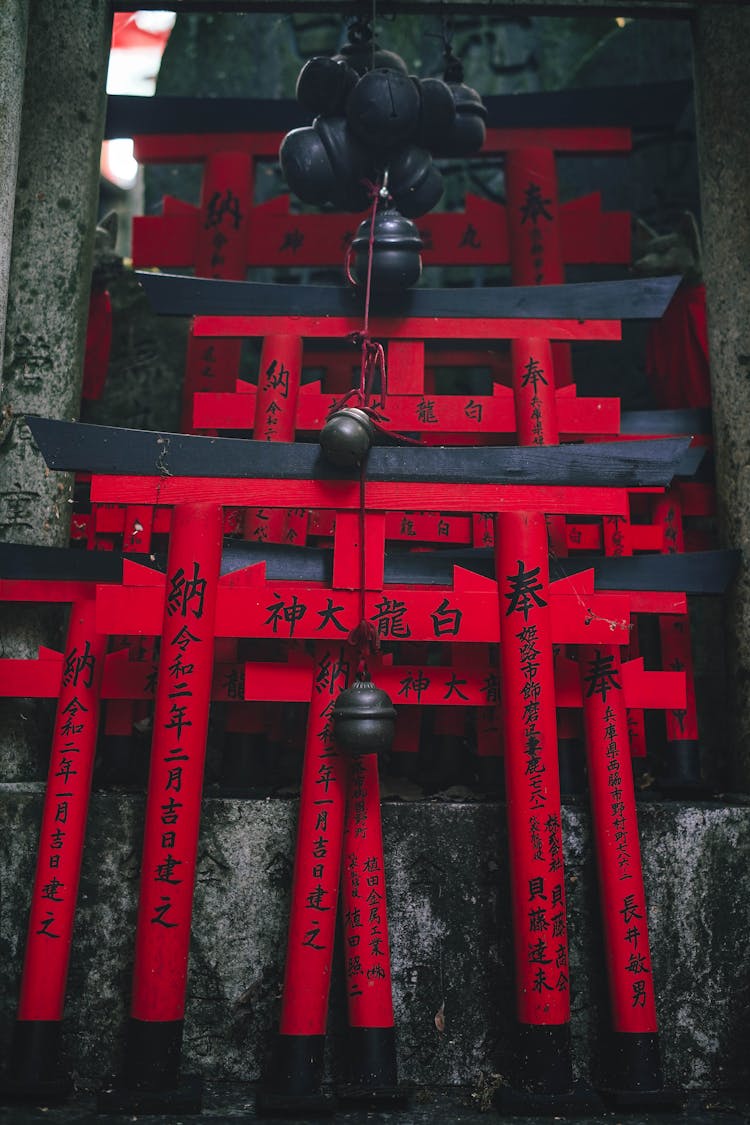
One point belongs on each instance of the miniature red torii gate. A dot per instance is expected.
(208, 495)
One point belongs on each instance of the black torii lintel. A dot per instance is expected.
(652, 106)
(695, 572)
(79, 447)
(636, 299)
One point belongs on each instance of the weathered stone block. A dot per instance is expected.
(450, 935)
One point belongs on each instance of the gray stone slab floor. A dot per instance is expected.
(231, 1102)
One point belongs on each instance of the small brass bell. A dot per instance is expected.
(364, 719)
(346, 437)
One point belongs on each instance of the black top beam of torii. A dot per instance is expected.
(79, 447)
(652, 107)
(696, 572)
(635, 299)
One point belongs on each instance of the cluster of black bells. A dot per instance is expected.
(372, 118)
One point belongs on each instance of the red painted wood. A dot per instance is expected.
(535, 231)
(379, 495)
(275, 406)
(560, 139)
(64, 814)
(534, 392)
(615, 825)
(674, 632)
(478, 235)
(178, 751)
(278, 388)
(583, 537)
(38, 590)
(367, 961)
(167, 241)
(38, 678)
(697, 499)
(677, 655)
(289, 610)
(446, 415)
(193, 148)
(427, 328)
(531, 771)
(533, 216)
(317, 861)
(589, 235)
(219, 251)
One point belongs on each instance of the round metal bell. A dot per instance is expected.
(415, 183)
(437, 112)
(350, 162)
(469, 130)
(323, 84)
(364, 719)
(324, 163)
(396, 261)
(363, 54)
(346, 437)
(305, 166)
(383, 108)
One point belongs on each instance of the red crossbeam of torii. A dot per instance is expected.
(483, 234)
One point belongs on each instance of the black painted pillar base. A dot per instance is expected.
(294, 1078)
(151, 1081)
(543, 1080)
(371, 1069)
(35, 1073)
(634, 1075)
(680, 775)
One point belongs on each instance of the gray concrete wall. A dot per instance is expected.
(450, 935)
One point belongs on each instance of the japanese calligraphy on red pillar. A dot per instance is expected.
(366, 953)
(317, 861)
(63, 819)
(178, 751)
(534, 392)
(532, 777)
(615, 827)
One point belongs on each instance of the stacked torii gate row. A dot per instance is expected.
(192, 602)
(229, 232)
(535, 409)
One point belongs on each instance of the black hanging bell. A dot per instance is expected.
(346, 437)
(364, 719)
(437, 112)
(383, 108)
(396, 246)
(324, 83)
(324, 163)
(467, 134)
(415, 183)
(362, 52)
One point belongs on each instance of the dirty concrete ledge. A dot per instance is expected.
(230, 1102)
(450, 936)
